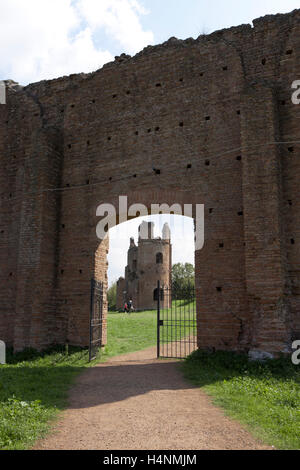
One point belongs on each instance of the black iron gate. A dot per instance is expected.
(176, 321)
(96, 318)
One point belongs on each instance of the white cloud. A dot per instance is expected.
(43, 39)
(120, 19)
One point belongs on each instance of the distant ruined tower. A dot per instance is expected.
(147, 263)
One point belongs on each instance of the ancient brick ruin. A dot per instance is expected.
(148, 262)
(206, 121)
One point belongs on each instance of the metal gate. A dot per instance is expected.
(96, 318)
(176, 321)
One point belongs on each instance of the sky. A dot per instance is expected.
(182, 239)
(46, 39)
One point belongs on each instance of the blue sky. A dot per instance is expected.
(45, 39)
(190, 18)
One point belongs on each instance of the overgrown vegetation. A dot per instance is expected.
(263, 396)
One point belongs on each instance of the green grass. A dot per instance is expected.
(130, 332)
(34, 386)
(138, 330)
(179, 321)
(264, 397)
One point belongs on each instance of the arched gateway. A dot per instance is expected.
(207, 121)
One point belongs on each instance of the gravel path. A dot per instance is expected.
(135, 402)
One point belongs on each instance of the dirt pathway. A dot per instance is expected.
(138, 402)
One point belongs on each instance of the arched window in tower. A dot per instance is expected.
(159, 258)
(155, 297)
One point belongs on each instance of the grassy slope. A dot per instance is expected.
(264, 397)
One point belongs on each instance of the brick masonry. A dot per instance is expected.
(191, 121)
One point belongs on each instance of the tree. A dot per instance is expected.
(183, 280)
(112, 297)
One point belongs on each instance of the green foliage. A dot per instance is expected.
(263, 396)
(183, 280)
(112, 297)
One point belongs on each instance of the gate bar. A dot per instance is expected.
(91, 318)
(158, 319)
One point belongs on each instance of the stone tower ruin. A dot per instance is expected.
(149, 262)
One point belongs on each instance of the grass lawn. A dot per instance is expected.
(34, 386)
(264, 397)
(130, 332)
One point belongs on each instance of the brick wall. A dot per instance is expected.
(204, 114)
